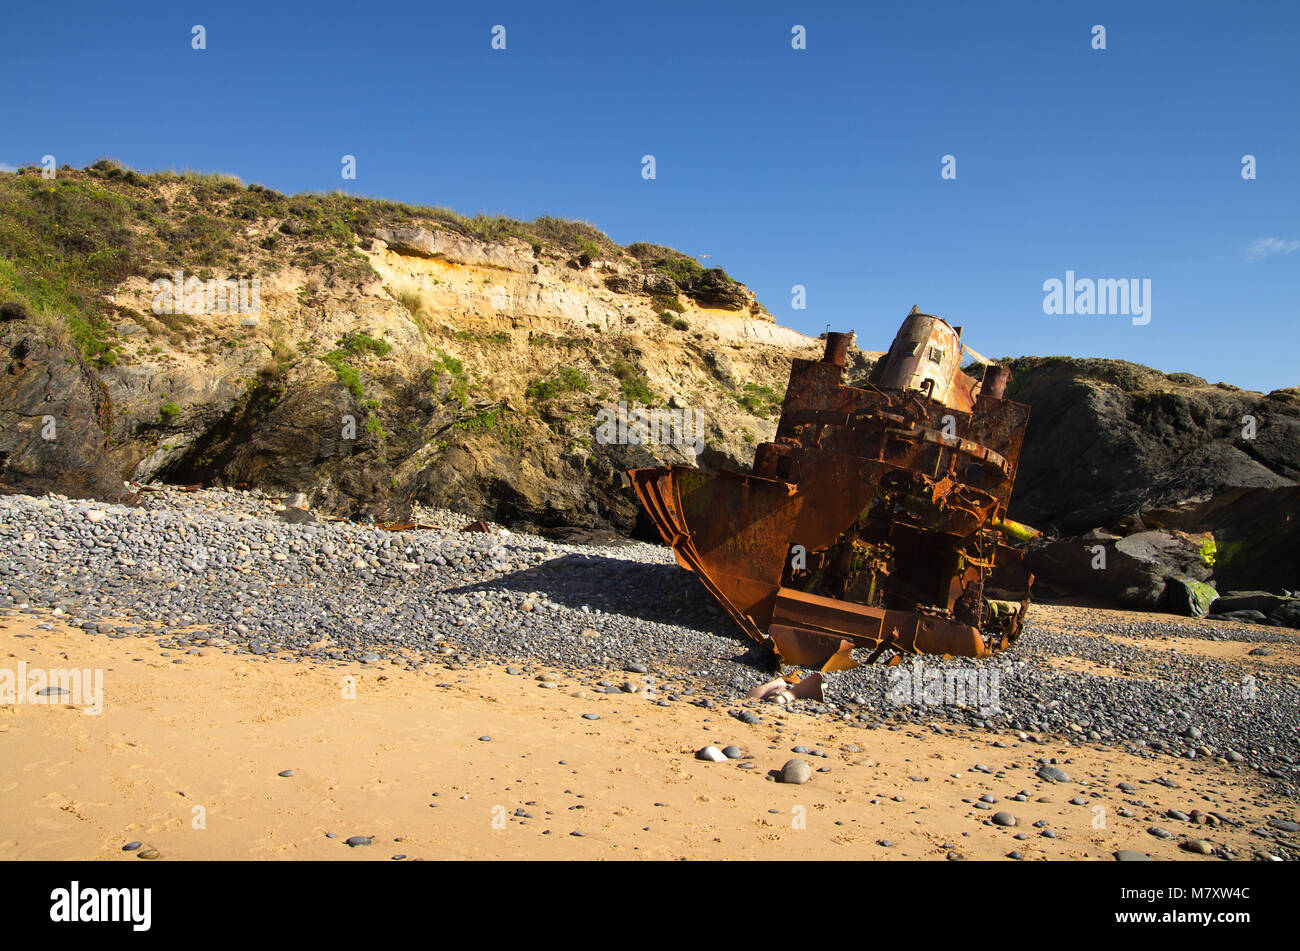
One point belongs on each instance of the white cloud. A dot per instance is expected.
(6, 167)
(1267, 247)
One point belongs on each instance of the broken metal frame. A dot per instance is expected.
(875, 519)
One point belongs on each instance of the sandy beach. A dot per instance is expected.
(456, 761)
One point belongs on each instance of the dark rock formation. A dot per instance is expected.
(1108, 438)
(714, 289)
(1123, 455)
(1132, 571)
(53, 415)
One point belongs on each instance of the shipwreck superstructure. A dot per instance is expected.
(876, 520)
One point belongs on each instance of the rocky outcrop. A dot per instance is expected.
(1108, 439)
(714, 288)
(447, 246)
(1132, 571)
(395, 357)
(53, 413)
(1121, 455)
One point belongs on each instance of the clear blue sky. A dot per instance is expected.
(818, 167)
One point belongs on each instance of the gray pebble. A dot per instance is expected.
(795, 771)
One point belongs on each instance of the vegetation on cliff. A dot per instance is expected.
(67, 242)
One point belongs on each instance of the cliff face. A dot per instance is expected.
(387, 354)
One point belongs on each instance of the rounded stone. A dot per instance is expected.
(1053, 774)
(795, 771)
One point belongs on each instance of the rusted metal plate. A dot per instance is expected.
(874, 519)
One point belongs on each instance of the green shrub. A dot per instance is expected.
(682, 269)
(446, 363)
(480, 422)
(759, 400)
(564, 380)
(450, 366)
(1208, 550)
(347, 374)
(637, 390)
(360, 343)
(473, 336)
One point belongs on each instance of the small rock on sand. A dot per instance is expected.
(795, 771)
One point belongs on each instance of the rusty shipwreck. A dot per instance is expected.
(876, 521)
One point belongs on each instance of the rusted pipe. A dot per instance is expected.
(837, 348)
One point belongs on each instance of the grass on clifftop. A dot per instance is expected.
(67, 243)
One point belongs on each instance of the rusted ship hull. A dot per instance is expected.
(876, 520)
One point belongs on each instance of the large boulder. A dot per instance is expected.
(1262, 601)
(53, 417)
(1130, 572)
(1287, 614)
(316, 440)
(1188, 598)
(1107, 438)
